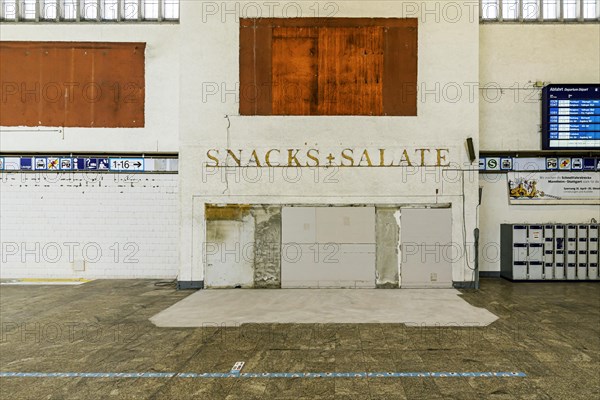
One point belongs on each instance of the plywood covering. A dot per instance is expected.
(295, 62)
(350, 71)
(328, 66)
(72, 84)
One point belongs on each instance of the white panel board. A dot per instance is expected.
(331, 247)
(328, 266)
(345, 224)
(230, 253)
(426, 255)
(299, 226)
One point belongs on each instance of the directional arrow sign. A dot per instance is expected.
(126, 164)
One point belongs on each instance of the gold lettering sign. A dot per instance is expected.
(420, 157)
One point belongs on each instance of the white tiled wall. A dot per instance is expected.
(122, 226)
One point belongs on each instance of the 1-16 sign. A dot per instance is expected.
(127, 164)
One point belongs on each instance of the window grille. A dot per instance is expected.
(89, 10)
(540, 10)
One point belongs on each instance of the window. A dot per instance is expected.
(540, 10)
(530, 9)
(49, 10)
(70, 10)
(551, 10)
(591, 8)
(89, 10)
(131, 9)
(328, 66)
(110, 10)
(570, 9)
(510, 9)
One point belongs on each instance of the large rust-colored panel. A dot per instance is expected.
(336, 66)
(400, 71)
(295, 60)
(72, 84)
(350, 69)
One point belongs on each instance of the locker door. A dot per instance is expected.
(535, 257)
(559, 252)
(535, 234)
(548, 252)
(593, 252)
(519, 234)
(571, 238)
(582, 252)
(571, 252)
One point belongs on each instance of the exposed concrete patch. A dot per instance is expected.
(387, 237)
(414, 307)
(267, 247)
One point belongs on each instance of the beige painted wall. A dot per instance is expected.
(514, 56)
(448, 56)
(162, 91)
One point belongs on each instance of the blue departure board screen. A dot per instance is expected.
(571, 117)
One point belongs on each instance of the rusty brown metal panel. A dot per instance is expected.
(295, 60)
(400, 71)
(51, 112)
(364, 66)
(72, 84)
(248, 90)
(255, 69)
(263, 62)
(350, 67)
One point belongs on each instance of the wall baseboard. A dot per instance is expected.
(190, 285)
(489, 274)
(463, 285)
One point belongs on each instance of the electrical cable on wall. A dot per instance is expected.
(464, 224)
(228, 146)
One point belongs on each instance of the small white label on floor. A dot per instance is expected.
(237, 367)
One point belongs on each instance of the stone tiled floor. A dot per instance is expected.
(550, 331)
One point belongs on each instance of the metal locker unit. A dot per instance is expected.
(559, 252)
(582, 252)
(535, 253)
(513, 251)
(571, 252)
(548, 252)
(593, 252)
